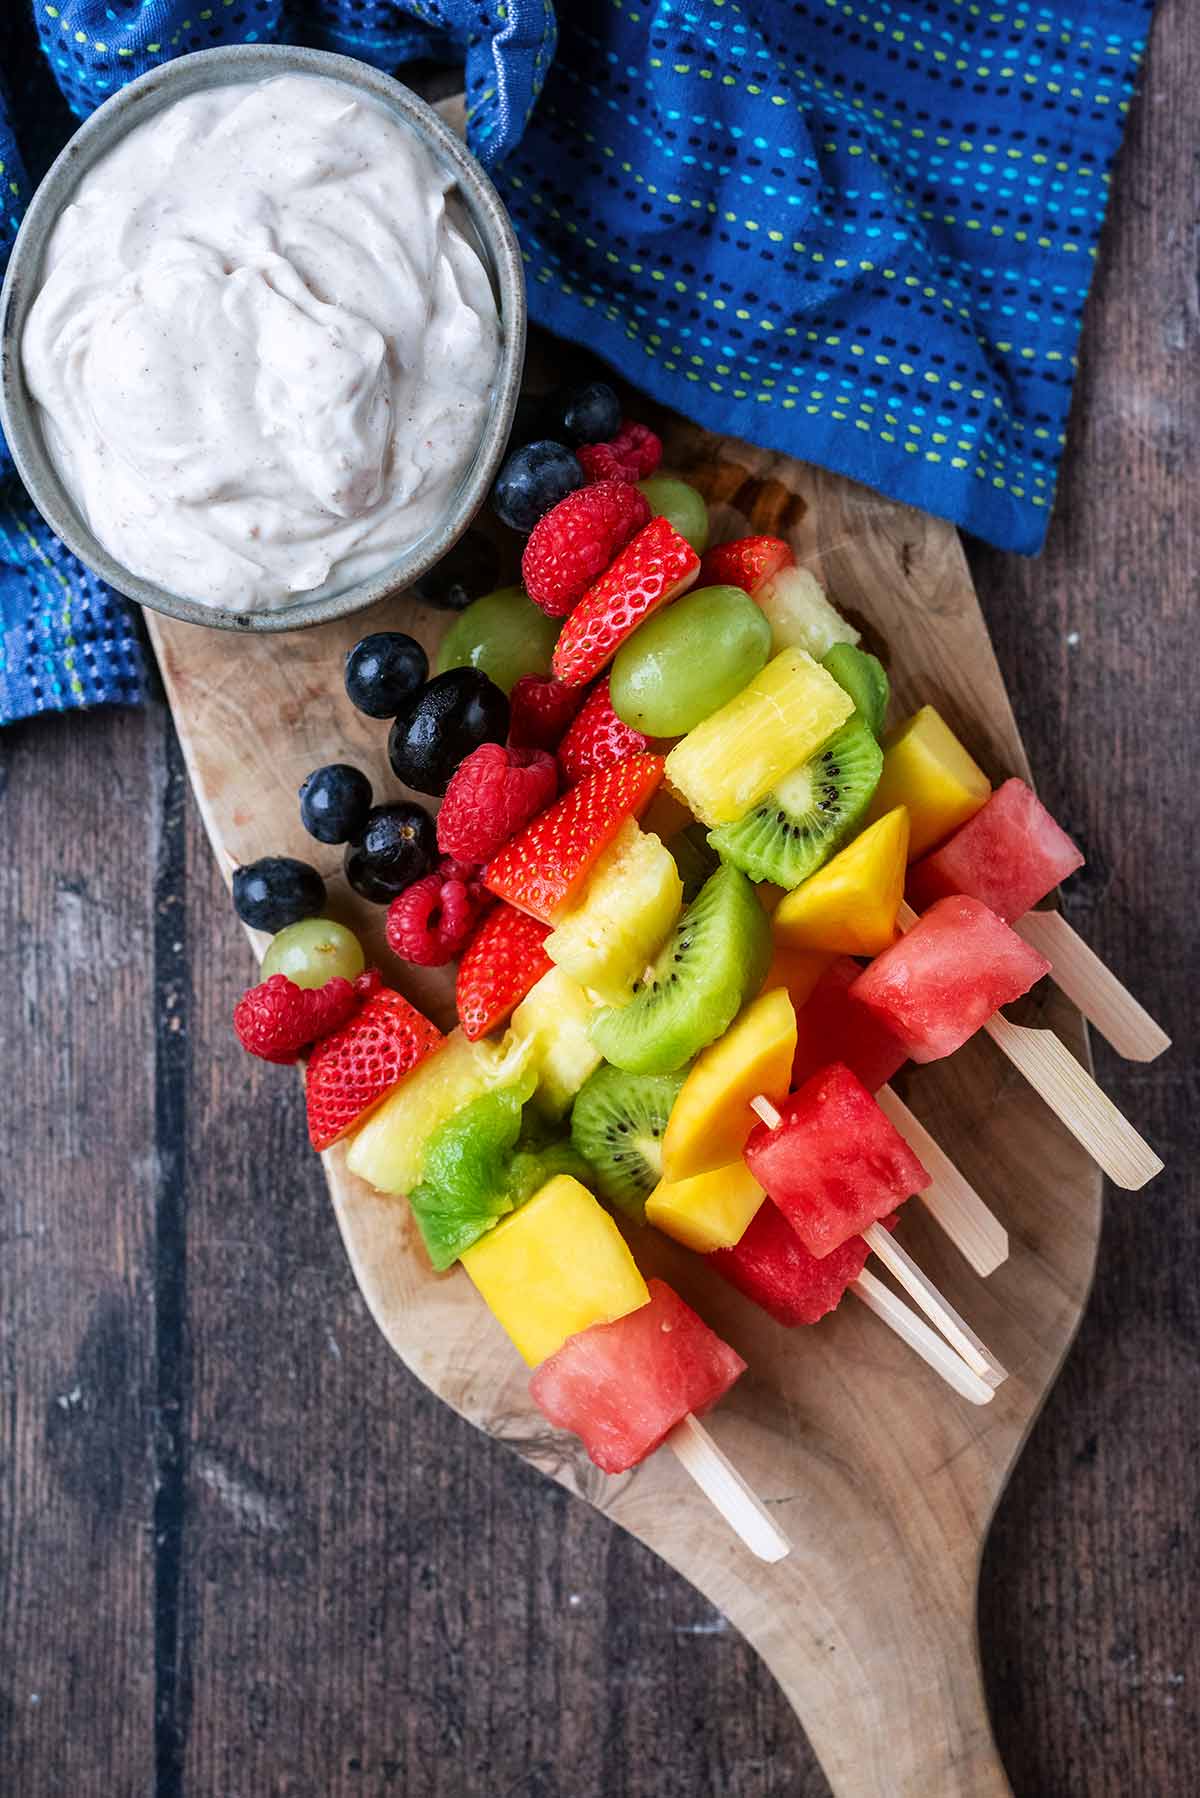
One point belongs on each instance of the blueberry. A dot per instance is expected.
(277, 891)
(590, 414)
(334, 802)
(472, 567)
(453, 715)
(383, 671)
(531, 481)
(397, 845)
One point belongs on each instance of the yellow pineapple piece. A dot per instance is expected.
(389, 1150)
(555, 1267)
(800, 616)
(926, 769)
(711, 1118)
(628, 909)
(555, 1018)
(709, 1211)
(734, 759)
(849, 906)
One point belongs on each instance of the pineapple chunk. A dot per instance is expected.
(709, 1211)
(849, 906)
(629, 906)
(389, 1150)
(556, 1020)
(711, 1118)
(926, 769)
(555, 1267)
(735, 758)
(800, 616)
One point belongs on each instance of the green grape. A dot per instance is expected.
(689, 660)
(314, 951)
(681, 505)
(504, 634)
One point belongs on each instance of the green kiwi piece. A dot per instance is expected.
(716, 959)
(617, 1126)
(790, 833)
(862, 676)
(693, 858)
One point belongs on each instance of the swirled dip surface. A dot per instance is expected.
(262, 348)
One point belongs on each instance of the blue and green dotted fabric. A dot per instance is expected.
(858, 231)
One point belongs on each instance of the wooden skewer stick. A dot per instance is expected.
(916, 1283)
(1093, 987)
(926, 1342)
(1071, 1093)
(724, 1487)
(951, 1200)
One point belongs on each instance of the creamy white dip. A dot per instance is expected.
(262, 348)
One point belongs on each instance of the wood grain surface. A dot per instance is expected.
(242, 1552)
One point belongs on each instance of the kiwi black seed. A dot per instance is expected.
(812, 811)
(617, 1127)
(716, 959)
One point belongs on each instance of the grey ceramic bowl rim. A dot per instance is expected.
(122, 113)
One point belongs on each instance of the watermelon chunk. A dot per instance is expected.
(835, 1165)
(772, 1266)
(937, 985)
(621, 1387)
(831, 1026)
(1009, 855)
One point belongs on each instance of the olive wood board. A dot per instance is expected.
(883, 1479)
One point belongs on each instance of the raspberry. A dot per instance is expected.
(494, 793)
(277, 1019)
(430, 921)
(540, 709)
(577, 540)
(631, 455)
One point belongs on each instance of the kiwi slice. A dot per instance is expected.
(716, 959)
(617, 1126)
(812, 811)
(862, 676)
(693, 858)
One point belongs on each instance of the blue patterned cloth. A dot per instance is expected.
(859, 231)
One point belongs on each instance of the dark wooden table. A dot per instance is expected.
(243, 1554)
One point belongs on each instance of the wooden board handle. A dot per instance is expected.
(1093, 987)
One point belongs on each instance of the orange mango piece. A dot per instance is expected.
(849, 906)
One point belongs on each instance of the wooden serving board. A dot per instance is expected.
(883, 1479)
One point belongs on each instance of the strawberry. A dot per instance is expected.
(633, 454)
(656, 567)
(541, 870)
(502, 961)
(597, 739)
(277, 1019)
(540, 709)
(577, 539)
(350, 1072)
(492, 795)
(747, 563)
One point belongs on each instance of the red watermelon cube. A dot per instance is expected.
(621, 1387)
(937, 985)
(1009, 855)
(831, 1026)
(834, 1165)
(772, 1266)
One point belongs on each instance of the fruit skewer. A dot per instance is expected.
(1069, 1090)
(840, 1095)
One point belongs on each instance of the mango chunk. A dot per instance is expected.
(709, 1211)
(927, 770)
(731, 761)
(797, 971)
(555, 1267)
(849, 906)
(711, 1118)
